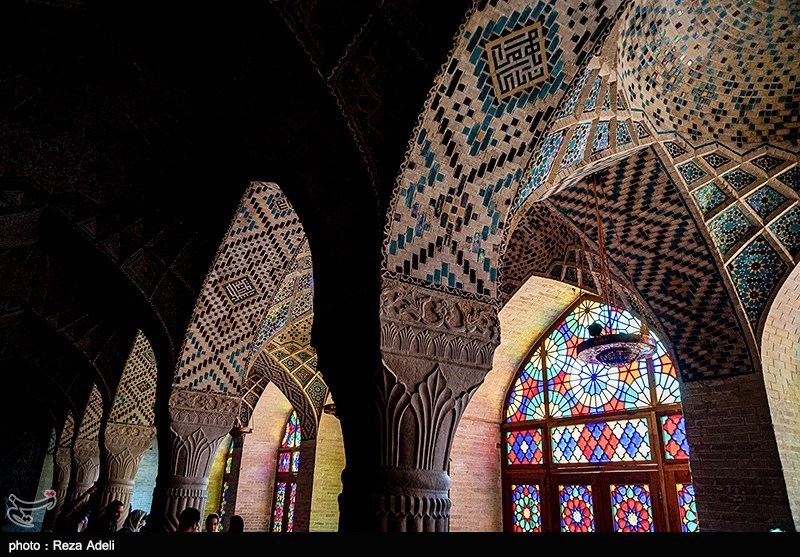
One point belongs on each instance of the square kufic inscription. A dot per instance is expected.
(517, 60)
(240, 290)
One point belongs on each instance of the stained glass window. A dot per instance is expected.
(620, 441)
(286, 469)
(526, 508)
(527, 397)
(291, 438)
(524, 447)
(564, 418)
(577, 508)
(277, 511)
(631, 508)
(687, 508)
(575, 388)
(675, 443)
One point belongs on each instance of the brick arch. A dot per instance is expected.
(134, 402)
(89, 426)
(260, 243)
(265, 366)
(780, 354)
(479, 125)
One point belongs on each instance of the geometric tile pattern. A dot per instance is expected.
(623, 135)
(600, 142)
(641, 130)
(517, 60)
(738, 179)
(690, 172)
(764, 201)
(787, 230)
(577, 145)
(767, 162)
(465, 160)
(219, 340)
(756, 272)
(715, 160)
(728, 228)
(618, 441)
(660, 238)
(92, 416)
(591, 100)
(674, 149)
(709, 197)
(135, 400)
(568, 106)
(723, 71)
(791, 178)
(67, 431)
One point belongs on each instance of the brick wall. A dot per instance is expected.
(475, 458)
(327, 476)
(257, 474)
(734, 459)
(145, 480)
(215, 478)
(780, 355)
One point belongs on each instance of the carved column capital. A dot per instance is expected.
(86, 465)
(198, 421)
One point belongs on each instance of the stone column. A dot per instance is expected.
(125, 446)
(198, 421)
(436, 349)
(61, 473)
(305, 485)
(85, 466)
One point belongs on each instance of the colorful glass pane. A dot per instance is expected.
(524, 447)
(668, 389)
(283, 462)
(526, 401)
(577, 389)
(577, 508)
(277, 511)
(291, 437)
(619, 441)
(295, 461)
(675, 443)
(631, 508)
(526, 512)
(687, 508)
(223, 502)
(229, 458)
(290, 518)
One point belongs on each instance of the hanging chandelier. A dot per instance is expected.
(607, 347)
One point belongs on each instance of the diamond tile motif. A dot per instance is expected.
(715, 160)
(517, 60)
(577, 145)
(787, 230)
(641, 130)
(755, 272)
(690, 172)
(600, 142)
(728, 228)
(738, 179)
(709, 197)
(240, 290)
(767, 162)
(791, 178)
(623, 135)
(674, 149)
(764, 201)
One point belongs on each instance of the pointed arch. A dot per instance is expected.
(134, 402)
